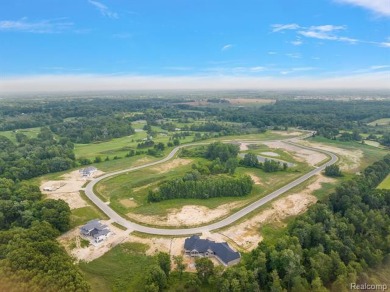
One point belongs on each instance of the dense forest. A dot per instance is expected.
(30, 257)
(32, 157)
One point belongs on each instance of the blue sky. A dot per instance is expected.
(119, 44)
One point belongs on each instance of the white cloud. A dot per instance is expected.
(227, 47)
(281, 27)
(326, 32)
(56, 83)
(104, 10)
(381, 7)
(294, 55)
(272, 53)
(385, 44)
(323, 32)
(42, 26)
(297, 43)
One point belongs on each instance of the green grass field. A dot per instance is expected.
(30, 133)
(121, 269)
(380, 122)
(81, 216)
(385, 184)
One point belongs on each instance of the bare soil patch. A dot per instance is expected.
(303, 155)
(128, 203)
(67, 188)
(189, 215)
(287, 133)
(349, 159)
(244, 146)
(171, 165)
(246, 235)
(92, 252)
(255, 179)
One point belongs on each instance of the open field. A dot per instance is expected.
(30, 133)
(127, 194)
(353, 156)
(121, 269)
(385, 184)
(380, 122)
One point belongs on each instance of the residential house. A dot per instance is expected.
(196, 247)
(96, 230)
(88, 171)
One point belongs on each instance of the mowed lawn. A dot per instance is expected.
(385, 184)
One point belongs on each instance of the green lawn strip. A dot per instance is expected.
(385, 184)
(123, 268)
(102, 215)
(119, 226)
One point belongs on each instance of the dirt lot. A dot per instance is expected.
(189, 215)
(92, 252)
(272, 154)
(165, 167)
(303, 155)
(287, 133)
(68, 188)
(349, 159)
(246, 235)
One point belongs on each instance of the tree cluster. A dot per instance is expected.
(191, 187)
(269, 165)
(32, 157)
(86, 130)
(30, 257)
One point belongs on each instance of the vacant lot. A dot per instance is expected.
(67, 188)
(246, 234)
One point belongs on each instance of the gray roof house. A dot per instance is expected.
(196, 247)
(88, 171)
(96, 230)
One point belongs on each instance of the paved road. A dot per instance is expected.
(224, 222)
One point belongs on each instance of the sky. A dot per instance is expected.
(56, 45)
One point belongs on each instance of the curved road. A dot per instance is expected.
(224, 222)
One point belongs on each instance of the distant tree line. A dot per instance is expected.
(90, 129)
